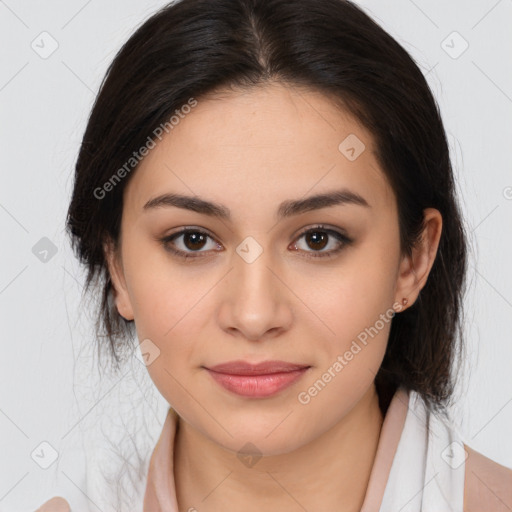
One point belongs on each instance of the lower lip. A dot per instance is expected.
(257, 386)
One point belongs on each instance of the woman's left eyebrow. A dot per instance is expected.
(287, 208)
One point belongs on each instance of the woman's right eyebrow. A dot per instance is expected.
(286, 209)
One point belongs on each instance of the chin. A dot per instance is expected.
(267, 438)
(246, 444)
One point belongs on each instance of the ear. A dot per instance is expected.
(116, 271)
(414, 270)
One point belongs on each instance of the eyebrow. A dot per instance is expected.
(286, 209)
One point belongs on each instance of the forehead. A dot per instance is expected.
(253, 148)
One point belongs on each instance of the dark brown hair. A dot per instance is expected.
(192, 48)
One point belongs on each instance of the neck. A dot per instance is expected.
(329, 473)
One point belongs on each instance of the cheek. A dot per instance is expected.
(171, 311)
(161, 291)
(166, 314)
(354, 303)
(357, 312)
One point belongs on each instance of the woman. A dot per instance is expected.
(265, 188)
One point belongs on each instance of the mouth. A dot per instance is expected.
(257, 380)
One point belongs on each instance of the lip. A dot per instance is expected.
(264, 368)
(257, 380)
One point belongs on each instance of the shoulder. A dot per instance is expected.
(487, 484)
(56, 504)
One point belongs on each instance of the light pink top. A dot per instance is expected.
(421, 465)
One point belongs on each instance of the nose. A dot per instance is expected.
(257, 301)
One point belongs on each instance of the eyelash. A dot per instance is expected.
(343, 239)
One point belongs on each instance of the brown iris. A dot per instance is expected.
(194, 240)
(318, 239)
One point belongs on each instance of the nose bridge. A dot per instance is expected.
(256, 300)
(252, 272)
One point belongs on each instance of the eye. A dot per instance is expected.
(318, 238)
(192, 240)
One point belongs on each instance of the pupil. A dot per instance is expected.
(313, 236)
(195, 238)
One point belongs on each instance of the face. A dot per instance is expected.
(274, 277)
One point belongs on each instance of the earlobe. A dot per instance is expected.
(415, 268)
(120, 291)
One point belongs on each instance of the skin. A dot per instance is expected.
(250, 151)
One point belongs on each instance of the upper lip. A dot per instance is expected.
(264, 368)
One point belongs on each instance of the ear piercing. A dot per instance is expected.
(404, 303)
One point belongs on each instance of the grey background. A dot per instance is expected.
(49, 381)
